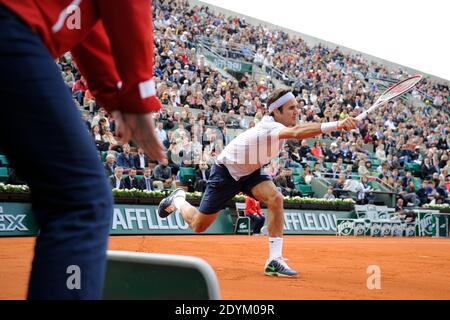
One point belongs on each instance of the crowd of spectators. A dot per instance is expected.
(203, 110)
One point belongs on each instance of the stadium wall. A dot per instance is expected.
(16, 219)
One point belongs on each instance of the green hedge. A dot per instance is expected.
(135, 193)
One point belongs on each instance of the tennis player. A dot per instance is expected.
(238, 169)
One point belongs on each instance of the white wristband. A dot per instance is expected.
(329, 127)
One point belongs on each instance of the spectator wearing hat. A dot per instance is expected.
(176, 77)
(333, 153)
(334, 172)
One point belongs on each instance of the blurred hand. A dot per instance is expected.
(140, 129)
(348, 124)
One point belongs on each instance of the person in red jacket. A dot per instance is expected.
(78, 90)
(112, 45)
(254, 212)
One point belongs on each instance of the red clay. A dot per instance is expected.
(330, 267)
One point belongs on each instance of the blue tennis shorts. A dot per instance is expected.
(221, 187)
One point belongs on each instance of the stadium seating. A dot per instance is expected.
(3, 174)
(298, 180)
(417, 183)
(104, 154)
(3, 161)
(375, 163)
(306, 190)
(297, 171)
(413, 167)
(311, 163)
(187, 175)
(145, 276)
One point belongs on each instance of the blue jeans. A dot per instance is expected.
(79, 96)
(293, 164)
(45, 140)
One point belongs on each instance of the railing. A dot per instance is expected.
(208, 50)
(378, 180)
(238, 51)
(388, 197)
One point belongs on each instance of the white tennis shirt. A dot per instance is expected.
(253, 149)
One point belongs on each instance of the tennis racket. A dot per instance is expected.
(391, 93)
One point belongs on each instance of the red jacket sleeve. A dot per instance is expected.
(129, 27)
(94, 60)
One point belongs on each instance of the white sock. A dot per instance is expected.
(275, 248)
(179, 201)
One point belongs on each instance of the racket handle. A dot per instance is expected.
(366, 112)
(361, 116)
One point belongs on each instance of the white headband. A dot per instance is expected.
(281, 101)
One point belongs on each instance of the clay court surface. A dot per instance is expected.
(330, 267)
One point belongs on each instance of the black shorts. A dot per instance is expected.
(221, 187)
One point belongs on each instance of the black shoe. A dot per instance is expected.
(279, 268)
(166, 206)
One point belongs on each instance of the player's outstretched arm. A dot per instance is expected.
(310, 130)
